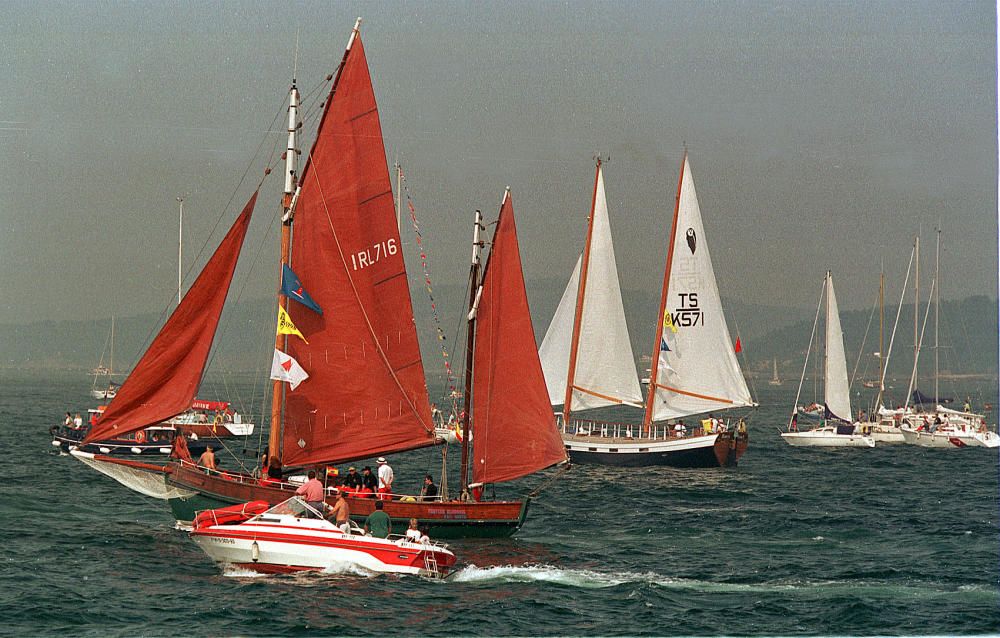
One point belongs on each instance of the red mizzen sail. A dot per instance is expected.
(164, 382)
(366, 392)
(514, 428)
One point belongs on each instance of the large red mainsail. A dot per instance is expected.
(164, 382)
(514, 427)
(366, 392)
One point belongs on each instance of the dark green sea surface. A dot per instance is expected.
(895, 540)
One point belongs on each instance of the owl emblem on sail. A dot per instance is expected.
(692, 239)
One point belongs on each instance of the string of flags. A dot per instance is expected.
(442, 339)
(283, 366)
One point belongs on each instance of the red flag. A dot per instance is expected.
(739, 346)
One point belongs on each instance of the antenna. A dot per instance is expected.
(295, 63)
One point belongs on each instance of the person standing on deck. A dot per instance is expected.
(353, 480)
(368, 482)
(429, 491)
(342, 513)
(207, 459)
(312, 491)
(385, 479)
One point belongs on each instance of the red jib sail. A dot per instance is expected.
(164, 382)
(366, 392)
(514, 429)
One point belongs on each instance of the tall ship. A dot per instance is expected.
(348, 375)
(694, 378)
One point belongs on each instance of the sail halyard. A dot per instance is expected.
(696, 366)
(514, 428)
(164, 382)
(366, 394)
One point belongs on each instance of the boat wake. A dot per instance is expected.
(337, 569)
(583, 578)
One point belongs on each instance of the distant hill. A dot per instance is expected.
(968, 335)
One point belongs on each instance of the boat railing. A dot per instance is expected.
(617, 430)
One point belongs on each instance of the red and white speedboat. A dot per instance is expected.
(292, 537)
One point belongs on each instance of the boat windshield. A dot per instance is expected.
(294, 506)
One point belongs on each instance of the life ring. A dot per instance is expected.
(140, 436)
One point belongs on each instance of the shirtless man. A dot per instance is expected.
(341, 513)
(207, 459)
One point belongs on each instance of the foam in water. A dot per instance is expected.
(584, 578)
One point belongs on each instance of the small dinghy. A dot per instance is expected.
(292, 536)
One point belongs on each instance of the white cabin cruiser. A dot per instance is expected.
(292, 536)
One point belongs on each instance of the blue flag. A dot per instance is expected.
(292, 288)
(663, 345)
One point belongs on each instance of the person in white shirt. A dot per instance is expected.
(385, 478)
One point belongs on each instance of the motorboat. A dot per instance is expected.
(292, 536)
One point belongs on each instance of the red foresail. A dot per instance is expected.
(366, 392)
(514, 429)
(164, 382)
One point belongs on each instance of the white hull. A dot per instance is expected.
(827, 437)
(946, 439)
(629, 445)
(284, 544)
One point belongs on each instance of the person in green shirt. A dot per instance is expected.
(378, 523)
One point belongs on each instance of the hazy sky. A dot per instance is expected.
(821, 135)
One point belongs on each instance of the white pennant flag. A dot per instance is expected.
(285, 368)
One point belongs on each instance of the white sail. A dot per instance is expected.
(605, 365)
(554, 352)
(698, 371)
(838, 394)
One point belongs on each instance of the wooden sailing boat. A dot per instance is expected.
(365, 394)
(837, 428)
(108, 371)
(695, 370)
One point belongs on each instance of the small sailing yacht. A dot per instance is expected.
(775, 379)
(588, 361)
(104, 386)
(838, 429)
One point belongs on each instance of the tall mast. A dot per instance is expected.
(937, 307)
(287, 204)
(111, 364)
(881, 334)
(826, 348)
(654, 364)
(580, 292)
(470, 344)
(916, 307)
(399, 197)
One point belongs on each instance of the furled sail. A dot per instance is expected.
(838, 394)
(605, 365)
(164, 382)
(697, 370)
(366, 392)
(515, 429)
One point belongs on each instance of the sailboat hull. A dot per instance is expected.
(714, 450)
(825, 438)
(448, 519)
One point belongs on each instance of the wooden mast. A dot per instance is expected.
(578, 313)
(470, 345)
(287, 201)
(654, 364)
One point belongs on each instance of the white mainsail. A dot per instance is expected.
(697, 372)
(605, 366)
(838, 394)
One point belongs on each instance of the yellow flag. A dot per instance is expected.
(668, 322)
(285, 325)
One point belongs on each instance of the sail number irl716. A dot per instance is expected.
(690, 313)
(369, 256)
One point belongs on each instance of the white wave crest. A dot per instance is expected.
(583, 578)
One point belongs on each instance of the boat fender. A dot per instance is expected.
(136, 450)
(407, 499)
(255, 551)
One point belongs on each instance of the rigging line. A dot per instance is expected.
(892, 337)
(805, 364)
(364, 312)
(864, 340)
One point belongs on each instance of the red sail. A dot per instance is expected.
(366, 392)
(164, 382)
(514, 429)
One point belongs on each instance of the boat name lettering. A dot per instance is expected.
(226, 541)
(369, 256)
(689, 314)
(446, 513)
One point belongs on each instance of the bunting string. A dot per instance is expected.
(441, 337)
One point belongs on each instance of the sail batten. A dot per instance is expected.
(696, 368)
(164, 382)
(363, 350)
(514, 428)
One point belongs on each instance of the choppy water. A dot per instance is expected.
(895, 540)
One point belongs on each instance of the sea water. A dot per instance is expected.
(891, 540)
